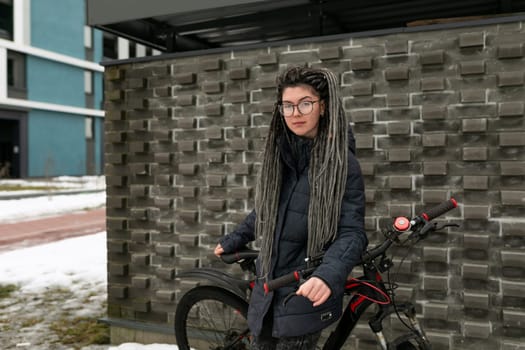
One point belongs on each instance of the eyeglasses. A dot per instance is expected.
(303, 107)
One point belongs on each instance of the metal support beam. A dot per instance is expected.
(505, 5)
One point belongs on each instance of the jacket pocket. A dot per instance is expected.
(299, 317)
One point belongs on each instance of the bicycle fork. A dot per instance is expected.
(377, 327)
(376, 323)
(411, 315)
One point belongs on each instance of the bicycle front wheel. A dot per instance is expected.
(211, 318)
(410, 342)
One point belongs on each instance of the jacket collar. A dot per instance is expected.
(295, 151)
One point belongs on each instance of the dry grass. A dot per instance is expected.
(30, 322)
(80, 331)
(52, 318)
(6, 290)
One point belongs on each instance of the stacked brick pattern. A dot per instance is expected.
(435, 114)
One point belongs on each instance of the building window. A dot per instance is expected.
(132, 49)
(141, 50)
(88, 82)
(88, 37)
(89, 128)
(6, 19)
(10, 72)
(16, 70)
(110, 46)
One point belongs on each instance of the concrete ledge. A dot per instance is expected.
(124, 331)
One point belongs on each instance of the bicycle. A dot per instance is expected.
(213, 316)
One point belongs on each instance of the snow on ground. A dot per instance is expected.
(12, 210)
(76, 264)
(53, 199)
(57, 264)
(75, 267)
(53, 185)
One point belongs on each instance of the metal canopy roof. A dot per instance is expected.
(180, 25)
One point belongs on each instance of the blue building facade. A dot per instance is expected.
(51, 122)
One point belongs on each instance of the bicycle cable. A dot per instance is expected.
(392, 294)
(370, 284)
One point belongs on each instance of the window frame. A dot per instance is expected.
(16, 71)
(7, 33)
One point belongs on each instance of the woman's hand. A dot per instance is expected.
(315, 290)
(218, 251)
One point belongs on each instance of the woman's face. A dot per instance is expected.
(302, 97)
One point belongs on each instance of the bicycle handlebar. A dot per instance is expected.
(373, 253)
(243, 253)
(294, 276)
(282, 281)
(414, 225)
(439, 209)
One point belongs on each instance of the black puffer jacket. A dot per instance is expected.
(298, 316)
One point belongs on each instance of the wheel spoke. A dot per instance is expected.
(212, 320)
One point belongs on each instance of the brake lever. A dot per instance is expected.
(428, 227)
(440, 227)
(292, 294)
(432, 226)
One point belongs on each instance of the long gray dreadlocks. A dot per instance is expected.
(327, 172)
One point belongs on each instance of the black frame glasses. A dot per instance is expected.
(304, 107)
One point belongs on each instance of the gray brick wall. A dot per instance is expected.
(435, 114)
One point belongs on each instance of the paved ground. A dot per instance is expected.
(32, 232)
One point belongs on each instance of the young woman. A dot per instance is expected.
(309, 200)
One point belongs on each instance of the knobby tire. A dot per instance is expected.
(208, 317)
